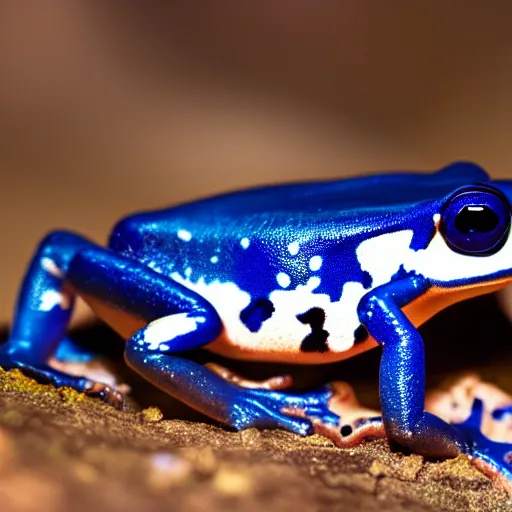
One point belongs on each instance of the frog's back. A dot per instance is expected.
(347, 195)
(262, 210)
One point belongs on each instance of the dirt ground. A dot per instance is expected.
(62, 451)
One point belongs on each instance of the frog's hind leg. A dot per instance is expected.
(174, 319)
(233, 405)
(42, 315)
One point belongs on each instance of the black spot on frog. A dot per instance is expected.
(316, 341)
(256, 313)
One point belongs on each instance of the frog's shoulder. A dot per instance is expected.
(379, 190)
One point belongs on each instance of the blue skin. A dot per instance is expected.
(331, 219)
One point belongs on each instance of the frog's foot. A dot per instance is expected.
(45, 374)
(482, 413)
(456, 402)
(296, 412)
(104, 392)
(359, 422)
(492, 457)
(430, 436)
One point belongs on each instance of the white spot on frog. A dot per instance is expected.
(214, 259)
(381, 256)
(293, 248)
(152, 265)
(51, 298)
(188, 271)
(283, 280)
(341, 337)
(313, 282)
(315, 263)
(227, 299)
(184, 235)
(165, 329)
(437, 261)
(341, 316)
(51, 267)
(244, 243)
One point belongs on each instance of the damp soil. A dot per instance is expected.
(62, 451)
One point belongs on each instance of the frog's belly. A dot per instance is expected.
(280, 338)
(290, 353)
(293, 333)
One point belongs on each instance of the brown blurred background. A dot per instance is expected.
(108, 108)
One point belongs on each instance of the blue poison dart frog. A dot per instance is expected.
(297, 273)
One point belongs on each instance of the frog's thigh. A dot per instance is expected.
(160, 310)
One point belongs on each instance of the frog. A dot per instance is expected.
(297, 273)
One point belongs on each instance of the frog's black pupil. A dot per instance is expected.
(476, 219)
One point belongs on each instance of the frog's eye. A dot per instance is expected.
(476, 221)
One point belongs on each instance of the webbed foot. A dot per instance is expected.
(45, 374)
(487, 453)
(294, 412)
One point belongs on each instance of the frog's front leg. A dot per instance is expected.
(402, 372)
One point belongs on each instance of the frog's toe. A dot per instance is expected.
(501, 412)
(314, 412)
(295, 425)
(43, 374)
(313, 405)
(108, 394)
(262, 414)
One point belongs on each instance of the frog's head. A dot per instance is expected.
(472, 245)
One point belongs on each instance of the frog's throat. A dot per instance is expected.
(437, 298)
